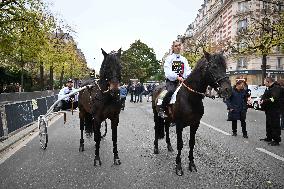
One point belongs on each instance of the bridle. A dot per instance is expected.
(215, 79)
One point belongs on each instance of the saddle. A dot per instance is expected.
(164, 92)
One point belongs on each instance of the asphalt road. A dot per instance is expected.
(222, 161)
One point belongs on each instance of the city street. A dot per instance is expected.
(222, 161)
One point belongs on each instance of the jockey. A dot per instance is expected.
(67, 102)
(176, 69)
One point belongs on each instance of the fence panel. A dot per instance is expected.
(40, 108)
(18, 115)
(49, 101)
(1, 127)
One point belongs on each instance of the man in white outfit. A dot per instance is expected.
(176, 69)
(66, 103)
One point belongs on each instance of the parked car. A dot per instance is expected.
(256, 103)
(256, 93)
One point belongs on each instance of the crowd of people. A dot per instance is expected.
(137, 90)
(10, 88)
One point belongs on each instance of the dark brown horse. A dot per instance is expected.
(188, 108)
(101, 101)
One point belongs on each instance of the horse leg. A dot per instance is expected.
(114, 125)
(191, 164)
(179, 129)
(82, 122)
(97, 138)
(169, 145)
(157, 122)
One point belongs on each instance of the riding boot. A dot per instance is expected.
(165, 102)
(58, 106)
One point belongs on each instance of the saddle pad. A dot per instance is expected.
(173, 99)
(161, 97)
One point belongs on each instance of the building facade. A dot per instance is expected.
(219, 21)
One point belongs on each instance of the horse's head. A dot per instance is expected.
(216, 74)
(110, 72)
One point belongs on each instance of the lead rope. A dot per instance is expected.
(192, 90)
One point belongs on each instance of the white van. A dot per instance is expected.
(256, 93)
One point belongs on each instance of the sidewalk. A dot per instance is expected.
(25, 131)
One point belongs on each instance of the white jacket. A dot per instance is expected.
(176, 61)
(64, 91)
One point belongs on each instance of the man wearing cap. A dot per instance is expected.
(176, 69)
(66, 103)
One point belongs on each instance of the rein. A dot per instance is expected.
(192, 90)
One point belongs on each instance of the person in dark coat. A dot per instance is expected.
(282, 105)
(270, 102)
(237, 107)
(131, 91)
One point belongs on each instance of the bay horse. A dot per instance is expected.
(188, 109)
(101, 101)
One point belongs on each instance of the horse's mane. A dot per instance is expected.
(202, 62)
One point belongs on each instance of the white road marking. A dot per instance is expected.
(271, 154)
(216, 129)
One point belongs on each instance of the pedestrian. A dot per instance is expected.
(237, 106)
(131, 91)
(282, 105)
(176, 69)
(150, 88)
(137, 92)
(270, 102)
(66, 103)
(123, 93)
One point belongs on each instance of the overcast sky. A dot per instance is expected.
(112, 24)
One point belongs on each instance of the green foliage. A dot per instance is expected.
(139, 61)
(265, 31)
(27, 39)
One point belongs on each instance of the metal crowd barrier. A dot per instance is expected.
(14, 116)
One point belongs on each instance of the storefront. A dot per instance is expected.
(254, 77)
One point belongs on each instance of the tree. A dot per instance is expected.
(265, 31)
(24, 25)
(139, 61)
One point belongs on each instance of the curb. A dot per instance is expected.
(28, 129)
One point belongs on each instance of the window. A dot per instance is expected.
(279, 62)
(281, 7)
(242, 63)
(242, 25)
(243, 6)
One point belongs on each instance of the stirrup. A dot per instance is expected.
(162, 113)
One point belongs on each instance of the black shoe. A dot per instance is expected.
(234, 134)
(274, 143)
(265, 139)
(56, 109)
(245, 136)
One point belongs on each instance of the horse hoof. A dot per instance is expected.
(117, 161)
(156, 151)
(192, 167)
(170, 148)
(81, 148)
(179, 170)
(97, 161)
